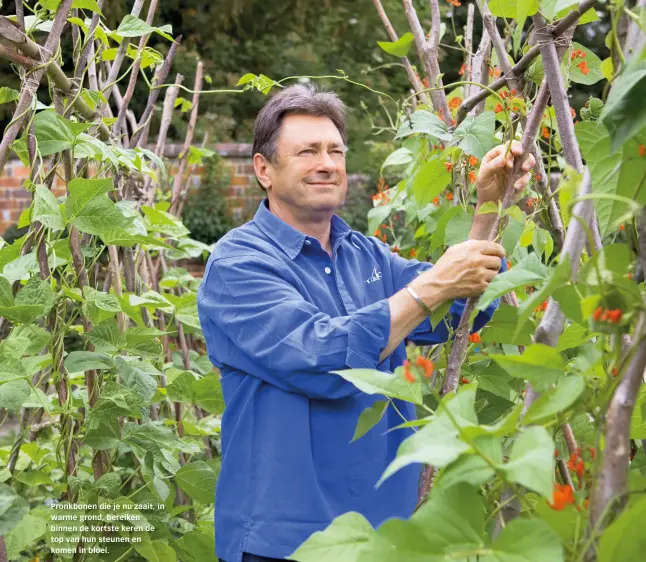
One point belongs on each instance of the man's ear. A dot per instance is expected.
(263, 168)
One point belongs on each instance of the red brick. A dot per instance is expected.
(239, 180)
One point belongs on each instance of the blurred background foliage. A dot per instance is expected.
(282, 38)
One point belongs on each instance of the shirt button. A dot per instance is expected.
(308, 242)
(328, 270)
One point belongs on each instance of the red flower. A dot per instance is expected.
(615, 315)
(583, 67)
(455, 102)
(615, 372)
(427, 365)
(412, 253)
(546, 133)
(597, 313)
(448, 166)
(396, 249)
(408, 374)
(462, 69)
(436, 201)
(530, 202)
(642, 150)
(475, 338)
(472, 176)
(425, 82)
(499, 108)
(384, 238)
(464, 380)
(449, 196)
(562, 495)
(572, 112)
(473, 161)
(576, 464)
(622, 227)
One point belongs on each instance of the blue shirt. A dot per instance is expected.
(278, 314)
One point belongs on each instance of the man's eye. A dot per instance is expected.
(308, 151)
(340, 152)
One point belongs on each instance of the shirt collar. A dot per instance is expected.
(287, 237)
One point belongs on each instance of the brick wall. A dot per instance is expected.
(242, 196)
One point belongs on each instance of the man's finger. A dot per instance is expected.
(493, 262)
(522, 182)
(529, 163)
(491, 249)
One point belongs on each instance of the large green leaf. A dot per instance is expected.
(510, 9)
(526, 540)
(429, 181)
(13, 394)
(422, 121)
(475, 134)
(531, 460)
(624, 539)
(8, 94)
(139, 376)
(594, 73)
(34, 300)
(437, 443)
(611, 174)
(502, 327)
(53, 133)
(78, 361)
(624, 114)
(208, 393)
(555, 400)
(132, 26)
(12, 509)
(343, 540)
(198, 480)
(24, 535)
(46, 209)
(540, 364)
(400, 47)
(528, 271)
(393, 385)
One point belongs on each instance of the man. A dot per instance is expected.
(296, 293)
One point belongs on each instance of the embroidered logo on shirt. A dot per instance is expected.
(376, 276)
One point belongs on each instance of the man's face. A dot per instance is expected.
(309, 173)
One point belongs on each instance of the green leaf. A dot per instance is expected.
(156, 551)
(422, 121)
(471, 469)
(611, 174)
(559, 276)
(13, 394)
(594, 73)
(400, 47)
(623, 539)
(46, 209)
(24, 535)
(12, 509)
(132, 26)
(555, 400)
(78, 361)
(528, 271)
(540, 364)
(510, 9)
(8, 94)
(198, 480)
(429, 181)
(393, 385)
(370, 417)
(99, 306)
(573, 336)
(138, 376)
(397, 158)
(208, 393)
(161, 221)
(52, 132)
(87, 5)
(82, 191)
(437, 443)
(475, 134)
(511, 235)
(458, 227)
(531, 461)
(34, 300)
(527, 540)
(624, 114)
(502, 327)
(343, 539)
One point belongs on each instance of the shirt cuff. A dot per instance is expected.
(368, 335)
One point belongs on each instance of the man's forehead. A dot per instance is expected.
(310, 130)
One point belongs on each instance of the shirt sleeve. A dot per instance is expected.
(255, 319)
(404, 271)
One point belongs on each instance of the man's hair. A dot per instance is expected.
(301, 99)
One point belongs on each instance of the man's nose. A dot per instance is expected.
(326, 162)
